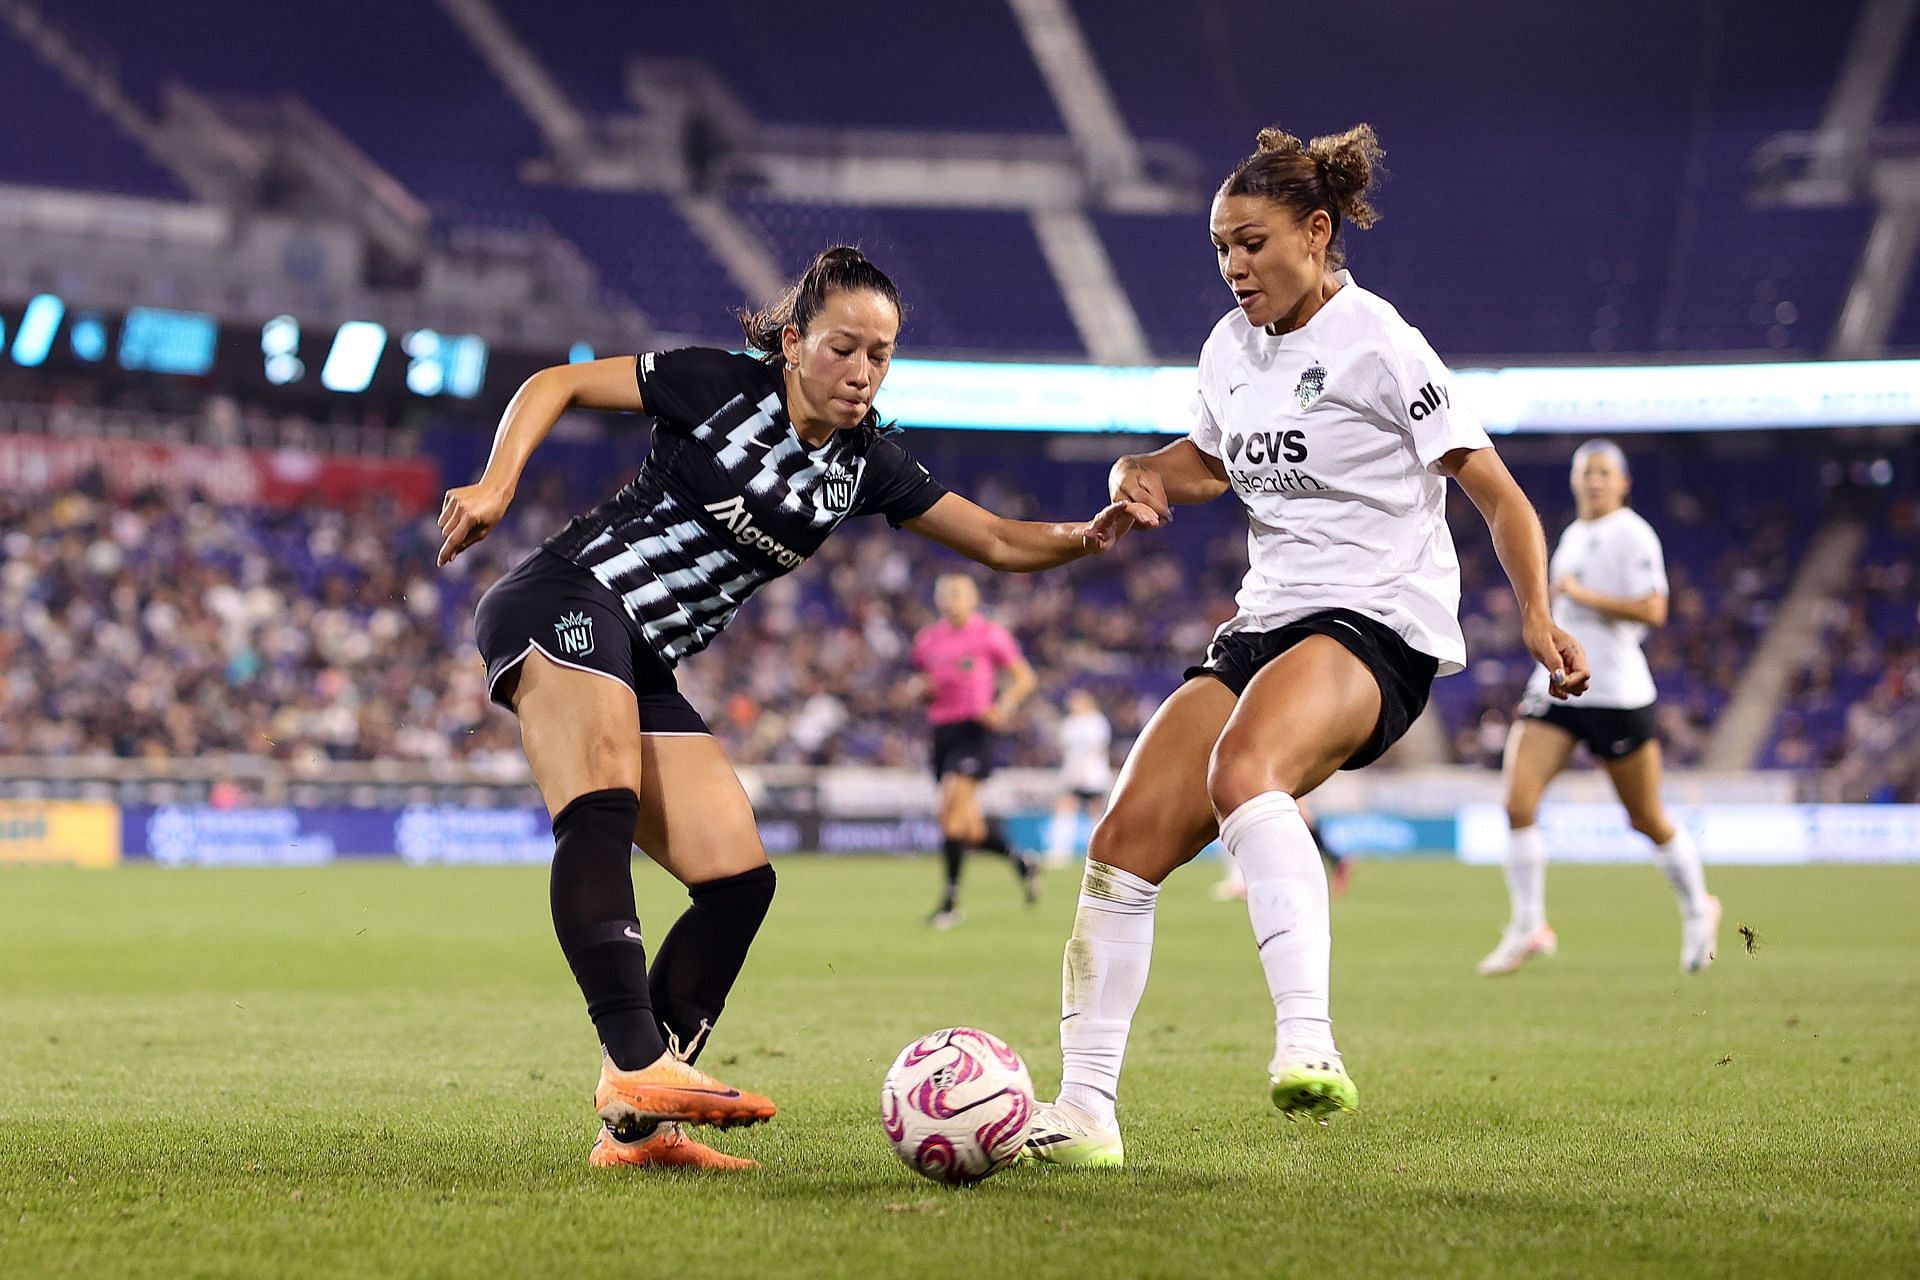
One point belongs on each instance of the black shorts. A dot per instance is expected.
(551, 604)
(964, 747)
(1404, 674)
(1610, 733)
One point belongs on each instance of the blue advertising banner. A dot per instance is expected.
(194, 835)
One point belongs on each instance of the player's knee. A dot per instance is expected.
(1235, 777)
(1137, 844)
(1654, 826)
(1107, 842)
(610, 760)
(1522, 813)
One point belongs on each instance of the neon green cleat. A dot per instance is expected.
(1063, 1135)
(1310, 1083)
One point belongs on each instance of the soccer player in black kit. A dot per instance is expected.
(754, 462)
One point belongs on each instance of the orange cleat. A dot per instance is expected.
(671, 1088)
(668, 1146)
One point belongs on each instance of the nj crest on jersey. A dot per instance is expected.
(835, 492)
(1312, 382)
(575, 634)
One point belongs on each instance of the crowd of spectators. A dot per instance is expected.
(171, 626)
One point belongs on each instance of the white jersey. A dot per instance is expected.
(1329, 435)
(1085, 741)
(1617, 555)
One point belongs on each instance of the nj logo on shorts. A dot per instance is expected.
(575, 634)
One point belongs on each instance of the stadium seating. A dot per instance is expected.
(1552, 209)
(55, 137)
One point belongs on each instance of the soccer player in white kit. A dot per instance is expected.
(1086, 772)
(1610, 580)
(1332, 421)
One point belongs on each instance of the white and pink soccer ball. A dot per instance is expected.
(956, 1105)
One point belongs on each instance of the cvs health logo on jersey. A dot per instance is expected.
(1268, 450)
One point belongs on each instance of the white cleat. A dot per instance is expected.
(1065, 1135)
(1516, 948)
(1700, 938)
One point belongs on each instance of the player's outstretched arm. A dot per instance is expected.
(1522, 548)
(469, 513)
(1025, 546)
(1181, 474)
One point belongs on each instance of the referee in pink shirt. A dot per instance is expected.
(960, 658)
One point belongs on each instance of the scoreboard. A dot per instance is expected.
(358, 357)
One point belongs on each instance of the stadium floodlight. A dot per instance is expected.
(153, 340)
(466, 365)
(355, 352)
(426, 374)
(88, 337)
(280, 345)
(37, 327)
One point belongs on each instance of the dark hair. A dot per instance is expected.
(841, 268)
(1335, 173)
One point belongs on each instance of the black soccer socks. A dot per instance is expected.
(953, 853)
(598, 928)
(703, 953)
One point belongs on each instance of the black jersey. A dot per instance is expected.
(729, 497)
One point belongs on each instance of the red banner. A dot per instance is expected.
(254, 477)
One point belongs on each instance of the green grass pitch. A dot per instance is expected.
(377, 1071)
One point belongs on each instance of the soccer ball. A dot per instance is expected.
(956, 1104)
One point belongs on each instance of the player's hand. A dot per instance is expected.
(1139, 485)
(995, 719)
(468, 514)
(1562, 656)
(1114, 522)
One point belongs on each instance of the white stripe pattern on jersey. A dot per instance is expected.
(679, 572)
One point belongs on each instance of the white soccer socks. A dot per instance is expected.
(1101, 982)
(1679, 861)
(1287, 903)
(1526, 869)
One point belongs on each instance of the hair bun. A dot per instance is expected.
(1349, 165)
(1273, 140)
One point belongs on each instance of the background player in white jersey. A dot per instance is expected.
(1086, 772)
(1610, 579)
(1332, 421)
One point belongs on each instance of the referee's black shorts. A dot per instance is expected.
(965, 748)
(548, 603)
(1404, 674)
